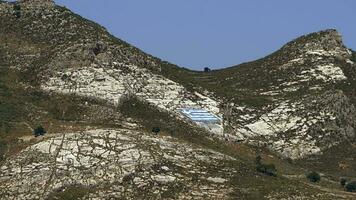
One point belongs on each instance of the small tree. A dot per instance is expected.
(268, 169)
(39, 131)
(353, 58)
(3, 148)
(313, 177)
(207, 69)
(17, 10)
(258, 160)
(99, 48)
(351, 187)
(156, 130)
(343, 182)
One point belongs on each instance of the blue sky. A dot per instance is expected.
(216, 33)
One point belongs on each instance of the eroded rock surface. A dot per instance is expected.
(309, 112)
(116, 163)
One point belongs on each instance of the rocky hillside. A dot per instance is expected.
(99, 98)
(80, 57)
(297, 101)
(109, 159)
(303, 100)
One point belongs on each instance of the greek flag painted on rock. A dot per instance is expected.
(199, 115)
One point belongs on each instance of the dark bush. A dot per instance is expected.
(351, 187)
(69, 192)
(3, 148)
(343, 182)
(268, 169)
(39, 131)
(99, 48)
(313, 177)
(17, 10)
(207, 69)
(156, 130)
(353, 58)
(258, 160)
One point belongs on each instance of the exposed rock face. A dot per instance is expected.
(115, 81)
(116, 163)
(32, 4)
(26, 6)
(328, 42)
(112, 81)
(308, 113)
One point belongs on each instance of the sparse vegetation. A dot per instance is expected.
(69, 193)
(313, 177)
(148, 114)
(351, 186)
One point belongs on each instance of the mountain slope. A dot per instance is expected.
(280, 89)
(96, 94)
(297, 101)
(305, 90)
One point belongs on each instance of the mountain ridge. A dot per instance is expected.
(98, 56)
(87, 87)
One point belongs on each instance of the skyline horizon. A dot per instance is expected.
(200, 39)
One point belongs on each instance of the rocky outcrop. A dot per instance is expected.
(36, 4)
(307, 114)
(113, 82)
(118, 164)
(328, 43)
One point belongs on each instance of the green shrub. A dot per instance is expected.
(99, 48)
(258, 160)
(343, 182)
(69, 192)
(17, 10)
(156, 130)
(207, 69)
(353, 58)
(3, 148)
(268, 169)
(39, 131)
(313, 177)
(351, 187)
